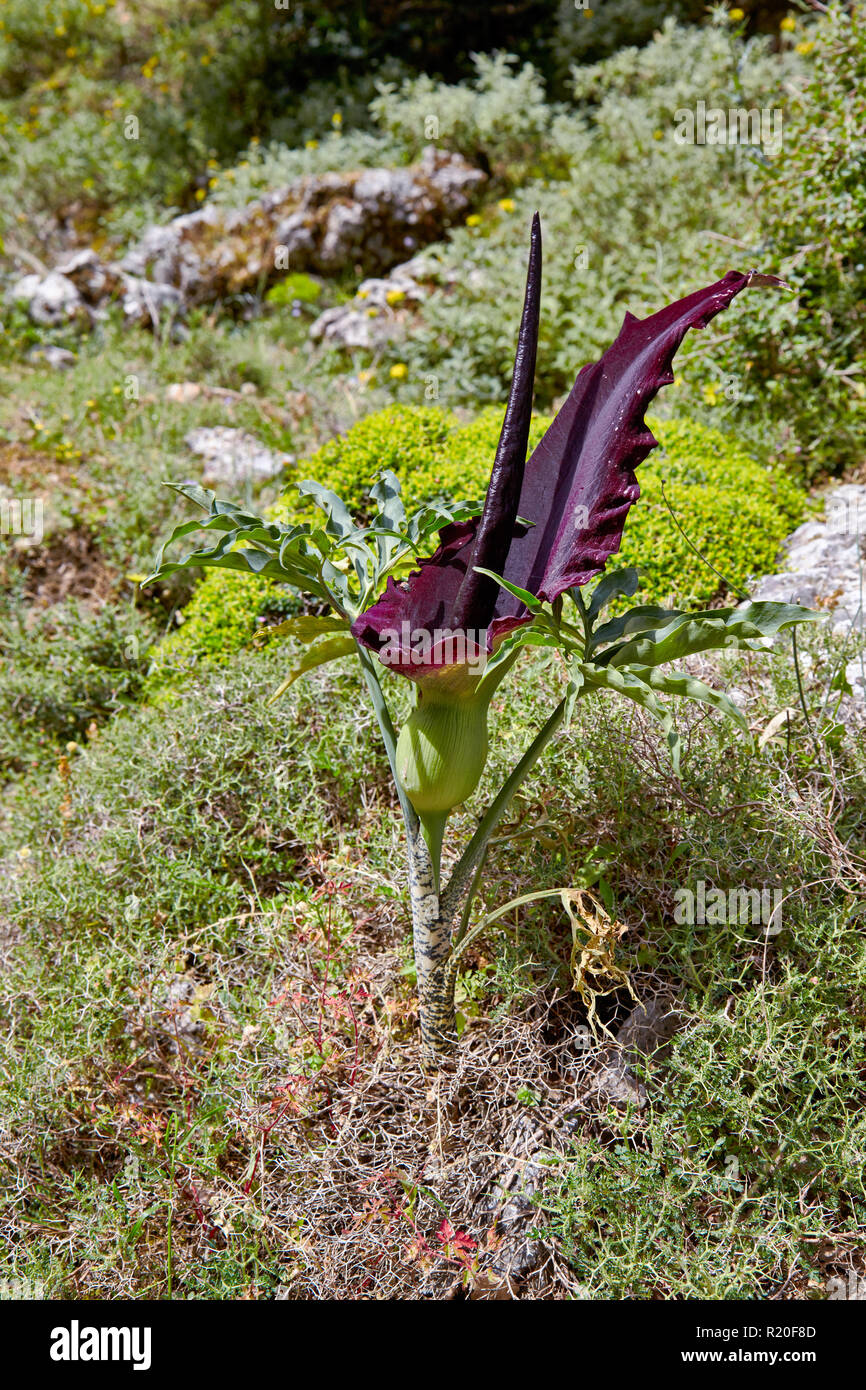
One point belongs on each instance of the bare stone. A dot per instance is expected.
(232, 456)
(646, 1032)
(826, 566)
(146, 302)
(50, 300)
(376, 313)
(61, 359)
(94, 279)
(321, 223)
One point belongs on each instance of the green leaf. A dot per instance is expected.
(688, 687)
(329, 649)
(610, 586)
(306, 627)
(386, 493)
(341, 523)
(644, 618)
(534, 604)
(438, 513)
(713, 629)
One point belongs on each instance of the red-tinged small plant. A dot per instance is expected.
(455, 621)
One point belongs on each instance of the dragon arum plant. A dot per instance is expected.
(455, 621)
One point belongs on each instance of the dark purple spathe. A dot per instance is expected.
(576, 489)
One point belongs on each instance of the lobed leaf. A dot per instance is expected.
(713, 629)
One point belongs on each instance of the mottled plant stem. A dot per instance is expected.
(434, 915)
(432, 933)
(435, 911)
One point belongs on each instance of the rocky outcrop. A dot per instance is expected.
(78, 289)
(233, 456)
(364, 221)
(825, 568)
(50, 300)
(378, 311)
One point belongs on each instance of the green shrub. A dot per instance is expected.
(295, 287)
(732, 508)
(800, 359)
(630, 218)
(599, 30)
(504, 112)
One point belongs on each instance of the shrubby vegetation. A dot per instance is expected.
(63, 675)
(627, 212)
(190, 835)
(801, 360)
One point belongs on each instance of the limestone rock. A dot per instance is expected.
(80, 287)
(321, 223)
(145, 302)
(645, 1033)
(233, 456)
(50, 300)
(377, 311)
(61, 359)
(365, 220)
(94, 279)
(823, 561)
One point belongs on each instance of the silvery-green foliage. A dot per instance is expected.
(601, 28)
(275, 165)
(799, 358)
(628, 214)
(683, 64)
(503, 112)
